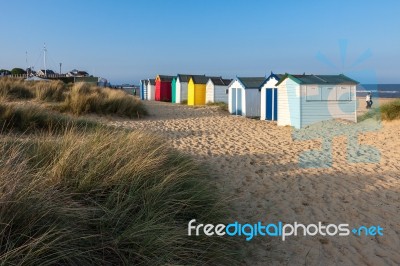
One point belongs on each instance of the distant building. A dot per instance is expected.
(30, 72)
(45, 73)
(89, 80)
(77, 73)
(102, 82)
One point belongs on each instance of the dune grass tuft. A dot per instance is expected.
(222, 105)
(30, 118)
(80, 98)
(103, 198)
(51, 91)
(391, 110)
(84, 98)
(388, 111)
(83, 194)
(13, 89)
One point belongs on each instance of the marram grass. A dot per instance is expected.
(78, 99)
(388, 111)
(105, 197)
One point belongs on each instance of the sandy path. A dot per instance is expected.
(256, 164)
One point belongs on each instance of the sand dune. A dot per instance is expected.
(256, 164)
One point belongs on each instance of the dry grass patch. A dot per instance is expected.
(105, 198)
(84, 99)
(13, 89)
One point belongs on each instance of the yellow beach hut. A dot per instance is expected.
(197, 90)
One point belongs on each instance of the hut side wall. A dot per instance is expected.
(220, 94)
(289, 104)
(251, 103)
(210, 91)
(327, 102)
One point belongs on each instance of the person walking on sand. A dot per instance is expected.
(368, 100)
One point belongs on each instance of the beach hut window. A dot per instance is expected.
(328, 93)
(344, 94)
(313, 94)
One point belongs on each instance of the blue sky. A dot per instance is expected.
(125, 41)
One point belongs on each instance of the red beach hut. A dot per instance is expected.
(163, 88)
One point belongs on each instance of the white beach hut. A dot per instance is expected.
(143, 89)
(269, 98)
(307, 99)
(217, 90)
(244, 96)
(151, 91)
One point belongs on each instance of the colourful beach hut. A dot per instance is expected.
(217, 90)
(245, 96)
(151, 90)
(269, 98)
(163, 88)
(197, 90)
(307, 99)
(180, 87)
(173, 90)
(143, 89)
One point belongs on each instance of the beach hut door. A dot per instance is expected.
(275, 105)
(233, 103)
(238, 101)
(271, 106)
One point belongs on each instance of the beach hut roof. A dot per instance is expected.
(145, 81)
(251, 82)
(220, 81)
(319, 79)
(278, 77)
(165, 78)
(152, 81)
(186, 77)
(227, 81)
(200, 79)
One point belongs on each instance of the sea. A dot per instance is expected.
(379, 90)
